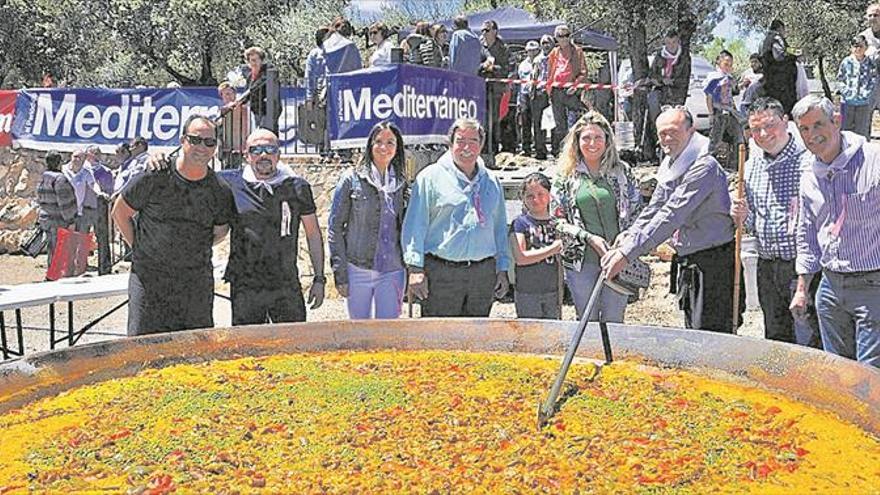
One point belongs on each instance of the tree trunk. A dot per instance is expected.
(638, 52)
(207, 76)
(825, 87)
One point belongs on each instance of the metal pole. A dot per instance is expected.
(273, 100)
(545, 411)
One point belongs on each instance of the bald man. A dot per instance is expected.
(270, 203)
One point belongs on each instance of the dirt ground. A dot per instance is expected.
(656, 307)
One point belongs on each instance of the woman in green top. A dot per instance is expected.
(595, 192)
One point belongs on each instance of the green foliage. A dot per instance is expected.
(153, 42)
(821, 28)
(737, 47)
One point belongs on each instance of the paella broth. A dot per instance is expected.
(423, 421)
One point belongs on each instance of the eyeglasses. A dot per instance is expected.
(565, 35)
(210, 142)
(259, 149)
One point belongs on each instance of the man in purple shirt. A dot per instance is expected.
(692, 206)
(104, 180)
(838, 233)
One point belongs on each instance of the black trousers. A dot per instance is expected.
(258, 305)
(704, 284)
(102, 234)
(458, 289)
(776, 284)
(160, 302)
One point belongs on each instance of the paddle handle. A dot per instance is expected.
(737, 265)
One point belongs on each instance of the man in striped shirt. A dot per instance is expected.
(838, 232)
(772, 180)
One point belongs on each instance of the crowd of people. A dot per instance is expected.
(810, 195)
(555, 59)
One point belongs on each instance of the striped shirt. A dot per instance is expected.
(56, 199)
(839, 203)
(772, 185)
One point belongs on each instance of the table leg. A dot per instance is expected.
(70, 323)
(52, 326)
(19, 332)
(3, 336)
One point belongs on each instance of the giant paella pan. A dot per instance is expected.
(437, 406)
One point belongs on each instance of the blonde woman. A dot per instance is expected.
(595, 193)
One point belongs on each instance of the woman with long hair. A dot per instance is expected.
(595, 194)
(364, 233)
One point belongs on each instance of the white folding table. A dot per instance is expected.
(16, 297)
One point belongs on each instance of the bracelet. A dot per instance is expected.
(319, 279)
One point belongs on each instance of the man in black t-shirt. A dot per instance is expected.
(181, 211)
(270, 203)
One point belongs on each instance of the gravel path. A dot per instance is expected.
(657, 308)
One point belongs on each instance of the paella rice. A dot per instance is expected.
(427, 422)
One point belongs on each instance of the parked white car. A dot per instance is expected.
(696, 100)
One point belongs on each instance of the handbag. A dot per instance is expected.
(71, 256)
(35, 242)
(636, 275)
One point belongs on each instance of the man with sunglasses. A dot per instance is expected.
(496, 65)
(566, 64)
(181, 210)
(270, 203)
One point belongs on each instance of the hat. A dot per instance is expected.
(532, 45)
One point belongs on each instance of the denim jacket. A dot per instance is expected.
(354, 221)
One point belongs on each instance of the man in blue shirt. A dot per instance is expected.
(720, 89)
(465, 49)
(454, 234)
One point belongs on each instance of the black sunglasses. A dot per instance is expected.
(210, 142)
(259, 149)
(566, 35)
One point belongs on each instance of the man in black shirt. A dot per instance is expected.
(181, 210)
(270, 203)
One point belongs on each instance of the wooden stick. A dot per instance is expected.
(737, 268)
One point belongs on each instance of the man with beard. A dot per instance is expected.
(270, 203)
(692, 206)
(838, 233)
(180, 211)
(454, 234)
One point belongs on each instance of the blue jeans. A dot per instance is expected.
(369, 290)
(848, 306)
(581, 284)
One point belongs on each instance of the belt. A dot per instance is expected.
(851, 274)
(457, 264)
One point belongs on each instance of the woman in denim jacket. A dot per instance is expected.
(364, 233)
(595, 193)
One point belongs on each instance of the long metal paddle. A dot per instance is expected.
(546, 411)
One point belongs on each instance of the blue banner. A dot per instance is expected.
(422, 101)
(68, 119)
